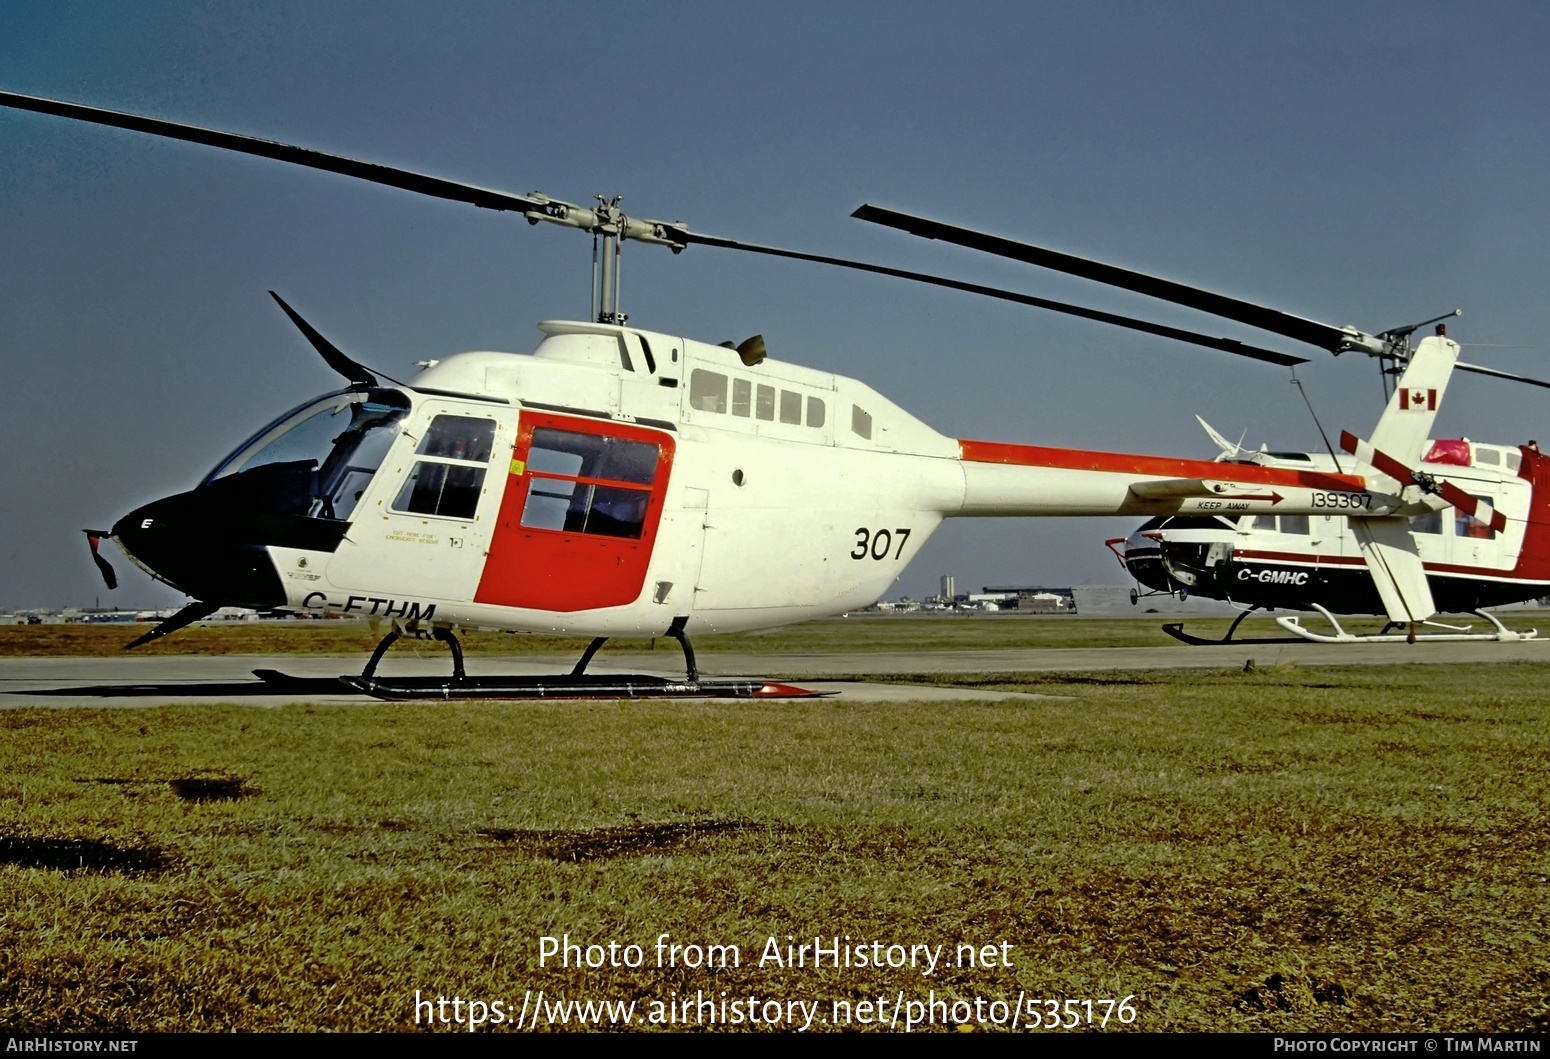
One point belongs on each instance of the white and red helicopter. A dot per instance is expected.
(620, 482)
(1300, 562)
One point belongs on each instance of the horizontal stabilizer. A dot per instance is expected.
(1171, 487)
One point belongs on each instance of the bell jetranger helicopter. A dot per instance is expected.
(616, 481)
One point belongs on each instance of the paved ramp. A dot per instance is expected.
(162, 679)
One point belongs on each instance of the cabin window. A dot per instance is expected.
(1431, 522)
(742, 398)
(707, 390)
(1488, 457)
(1468, 526)
(790, 407)
(815, 411)
(764, 402)
(1514, 461)
(1263, 522)
(448, 477)
(1295, 524)
(583, 483)
(459, 438)
(441, 489)
(860, 422)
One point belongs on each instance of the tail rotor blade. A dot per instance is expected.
(1473, 506)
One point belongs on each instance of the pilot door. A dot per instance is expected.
(419, 523)
(579, 516)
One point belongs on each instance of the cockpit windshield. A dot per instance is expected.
(341, 438)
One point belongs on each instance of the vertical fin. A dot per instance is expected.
(1395, 566)
(1406, 423)
(1397, 444)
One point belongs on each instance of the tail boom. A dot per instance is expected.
(1021, 480)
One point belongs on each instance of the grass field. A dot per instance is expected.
(1361, 848)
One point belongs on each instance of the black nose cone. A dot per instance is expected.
(201, 551)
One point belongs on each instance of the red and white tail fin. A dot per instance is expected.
(1406, 423)
(1397, 444)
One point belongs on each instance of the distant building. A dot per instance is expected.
(1032, 599)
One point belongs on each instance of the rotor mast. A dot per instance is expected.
(1396, 357)
(609, 226)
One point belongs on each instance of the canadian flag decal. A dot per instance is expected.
(1418, 400)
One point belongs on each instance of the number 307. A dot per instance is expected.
(876, 544)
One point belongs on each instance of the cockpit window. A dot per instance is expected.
(1190, 522)
(307, 440)
(341, 439)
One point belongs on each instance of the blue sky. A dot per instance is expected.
(1371, 164)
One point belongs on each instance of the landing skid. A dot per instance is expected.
(1176, 630)
(1456, 632)
(573, 685)
(627, 686)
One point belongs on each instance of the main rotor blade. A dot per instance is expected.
(1478, 370)
(1226, 345)
(485, 198)
(331, 354)
(1325, 336)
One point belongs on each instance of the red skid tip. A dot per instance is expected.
(785, 691)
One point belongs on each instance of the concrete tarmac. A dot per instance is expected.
(192, 679)
(158, 680)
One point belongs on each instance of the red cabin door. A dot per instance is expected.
(579, 516)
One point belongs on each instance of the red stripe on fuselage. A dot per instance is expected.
(1153, 466)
